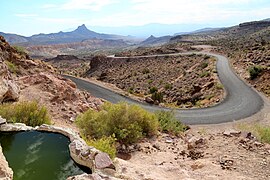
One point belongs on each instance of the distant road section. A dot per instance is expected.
(241, 100)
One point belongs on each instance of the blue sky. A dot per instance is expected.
(29, 17)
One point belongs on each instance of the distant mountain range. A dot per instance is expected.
(198, 31)
(78, 35)
(82, 33)
(245, 30)
(144, 31)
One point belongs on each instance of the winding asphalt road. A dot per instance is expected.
(241, 100)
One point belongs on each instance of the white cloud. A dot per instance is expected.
(194, 11)
(140, 12)
(184, 12)
(94, 5)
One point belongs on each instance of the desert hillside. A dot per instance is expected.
(181, 81)
(25, 79)
(246, 45)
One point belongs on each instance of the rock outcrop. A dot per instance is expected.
(15, 127)
(6, 172)
(9, 91)
(94, 176)
(60, 95)
(2, 121)
(86, 177)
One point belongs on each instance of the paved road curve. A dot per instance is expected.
(241, 100)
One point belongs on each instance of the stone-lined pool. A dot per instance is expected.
(37, 155)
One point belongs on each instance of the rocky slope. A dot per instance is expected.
(9, 91)
(69, 64)
(38, 81)
(248, 52)
(246, 45)
(184, 81)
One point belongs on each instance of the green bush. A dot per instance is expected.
(157, 96)
(105, 144)
(204, 65)
(92, 124)
(264, 133)
(20, 49)
(168, 86)
(261, 132)
(131, 90)
(206, 57)
(254, 71)
(219, 86)
(169, 124)
(29, 113)
(11, 67)
(150, 81)
(153, 89)
(205, 74)
(145, 71)
(128, 123)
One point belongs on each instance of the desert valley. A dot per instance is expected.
(83, 105)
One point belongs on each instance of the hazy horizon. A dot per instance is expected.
(30, 17)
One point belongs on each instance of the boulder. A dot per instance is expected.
(195, 142)
(231, 132)
(149, 100)
(209, 85)
(6, 172)
(16, 127)
(9, 91)
(2, 121)
(65, 131)
(82, 154)
(85, 176)
(156, 102)
(196, 89)
(90, 157)
(94, 176)
(102, 161)
(183, 100)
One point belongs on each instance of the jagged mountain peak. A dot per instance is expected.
(151, 37)
(82, 29)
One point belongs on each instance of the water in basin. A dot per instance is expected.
(39, 156)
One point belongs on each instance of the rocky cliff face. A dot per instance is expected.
(25, 79)
(9, 91)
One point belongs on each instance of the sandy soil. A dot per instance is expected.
(215, 155)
